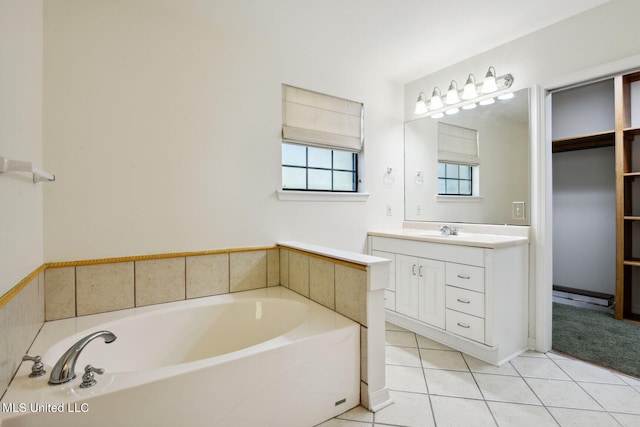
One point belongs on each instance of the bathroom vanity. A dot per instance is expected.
(468, 291)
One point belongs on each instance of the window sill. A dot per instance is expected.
(321, 196)
(459, 199)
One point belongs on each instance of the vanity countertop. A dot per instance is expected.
(481, 240)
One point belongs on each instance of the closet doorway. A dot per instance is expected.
(584, 227)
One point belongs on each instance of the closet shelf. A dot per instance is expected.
(582, 142)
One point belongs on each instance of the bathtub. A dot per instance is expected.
(267, 357)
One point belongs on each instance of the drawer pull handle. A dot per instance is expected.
(420, 271)
(463, 325)
(464, 276)
(413, 269)
(464, 301)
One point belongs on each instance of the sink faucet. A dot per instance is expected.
(449, 231)
(65, 369)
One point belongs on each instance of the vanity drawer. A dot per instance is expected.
(465, 325)
(465, 301)
(465, 276)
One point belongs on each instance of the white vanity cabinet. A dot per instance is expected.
(473, 298)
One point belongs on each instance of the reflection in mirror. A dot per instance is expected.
(493, 189)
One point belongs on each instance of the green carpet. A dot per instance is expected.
(597, 337)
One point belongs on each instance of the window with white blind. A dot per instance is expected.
(322, 139)
(458, 160)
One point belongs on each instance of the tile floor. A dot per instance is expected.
(434, 385)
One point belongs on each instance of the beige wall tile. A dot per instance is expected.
(22, 321)
(321, 282)
(284, 267)
(160, 280)
(5, 370)
(351, 293)
(248, 270)
(273, 267)
(60, 293)
(104, 287)
(207, 275)
(299, 273)
(364, 359)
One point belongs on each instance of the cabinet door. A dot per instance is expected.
(431, 292)
(407, 285)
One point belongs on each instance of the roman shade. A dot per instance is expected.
(312, 118)
(457, 145)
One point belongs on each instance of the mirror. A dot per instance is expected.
(500, 179)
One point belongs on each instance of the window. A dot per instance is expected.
(455, 179)
(318, 169)
(322, 138)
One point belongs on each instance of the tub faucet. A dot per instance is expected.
(65, 369)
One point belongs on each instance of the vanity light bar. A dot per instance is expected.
(471, 94)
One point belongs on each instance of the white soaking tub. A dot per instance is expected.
(267, 357)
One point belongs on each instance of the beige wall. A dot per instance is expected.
(164, 132)
(20, 138)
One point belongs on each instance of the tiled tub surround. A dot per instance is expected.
(341, 281)
(21, 317)
(353, 285)
(89, 287)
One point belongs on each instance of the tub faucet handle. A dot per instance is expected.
(37, 369)
(87, 378)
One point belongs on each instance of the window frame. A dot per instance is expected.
(470, 180)
(354, 171)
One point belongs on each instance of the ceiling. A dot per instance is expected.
(401, 39)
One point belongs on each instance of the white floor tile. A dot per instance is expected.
(580, 418)
(401, 339)
(477, 365)
(581, 371)
(632, 381)
(443, 359)
(404, 356)
(503, 388)
(336, 422)
(391, 327)
(424, 342)
(404, 378)
(514, 415)
(564, 394)
(451, 383)
(408, 409)
(627, 420)
(615, 398)
(358, 413)
(454, 412)
(537, 367)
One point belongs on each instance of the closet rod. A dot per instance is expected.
(39, 175)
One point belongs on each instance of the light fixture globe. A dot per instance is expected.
(421, 104)
(436, 100)
(470, 91)
(489, 84)
(452, 93)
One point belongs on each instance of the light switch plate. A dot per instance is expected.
(517, 210)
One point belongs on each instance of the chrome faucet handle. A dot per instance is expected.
(37, 370)
(87, 378)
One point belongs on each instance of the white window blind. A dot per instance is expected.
(457, 145)
(313, 118)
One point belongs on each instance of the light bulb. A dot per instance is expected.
(436, 100)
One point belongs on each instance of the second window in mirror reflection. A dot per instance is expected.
(454, 179)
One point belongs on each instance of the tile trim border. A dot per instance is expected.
(13, 292)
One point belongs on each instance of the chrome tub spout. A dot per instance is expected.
(65, 368)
